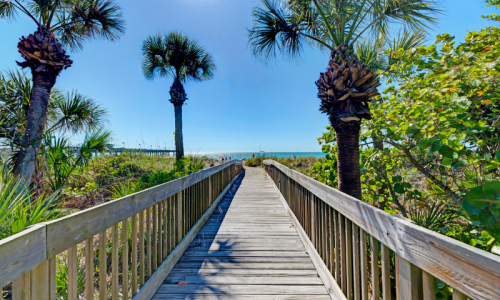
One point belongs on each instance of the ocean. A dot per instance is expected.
(246, 155)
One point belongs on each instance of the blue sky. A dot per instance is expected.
(245, 106)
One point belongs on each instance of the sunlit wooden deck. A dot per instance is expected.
(248, 249)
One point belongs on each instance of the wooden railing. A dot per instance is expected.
(121, 249)
(362, 252)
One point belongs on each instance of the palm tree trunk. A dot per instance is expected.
(348, 157)
(179, 144)
(37, 113)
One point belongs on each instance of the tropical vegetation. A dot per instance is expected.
(176, 55)
(60, 24)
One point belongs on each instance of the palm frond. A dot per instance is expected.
(76, 113)
(84, 19)
(178, 56)
(276, 29)
(7, 10)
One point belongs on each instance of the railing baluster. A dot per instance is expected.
(40, 281)
(165, 229)
(72, 274)
(363, 264)
(356, 262)
(103, 284)
(160, 229)
(343, 253)
(52, 278)
(386, 273)
(375, 270)
(332, 240)
(114, 262)
(21, 287)
(337, 247)
(409, 285)
(349, 252)
(429, 286)
(134, 254)
(141, 249)
(154, 237)
(148, 242)
(125, 259)
(89, 268)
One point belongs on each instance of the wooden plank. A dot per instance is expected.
(247, 272)
(429, 286)
(343, 254)
(430, 251)
(52, 278)
(242, 289)
(337, 247)
(238, 297)
(356, 272)
(243, 279)
(148, 242)
(154, 238)
(114, 262)
(142, 259)
(40, 282)
(386, 273)
(160, 232)
(349, 259)
(165, 229)
(375, 269)
(134, 254)
(155, 281)
(363, 264)
(72, 273)
(89, 268)
(125, 259)
(21, 253)
(21, 287)
(103, 285)
(80, 226)
(410, 280)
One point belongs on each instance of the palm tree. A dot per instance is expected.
(349, 84)
(59, 23)
(183, 59)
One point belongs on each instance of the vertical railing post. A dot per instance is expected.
(410, 280)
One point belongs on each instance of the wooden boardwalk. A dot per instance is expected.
(248, 249)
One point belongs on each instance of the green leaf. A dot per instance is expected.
(497, 155)
(436, 146)
(446, 162)
(397, 178)
(460, 163)
(475, 197)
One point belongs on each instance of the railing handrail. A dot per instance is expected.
(29, 248)
(473, 271)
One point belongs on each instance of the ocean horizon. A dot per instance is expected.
(247, 155)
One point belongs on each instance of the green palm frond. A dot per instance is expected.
(76, 113)
(73, 21)
(86, 19)
(7, 10)
(178, 56)
(284, 26)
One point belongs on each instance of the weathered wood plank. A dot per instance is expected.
(242, 289)
(21, 253)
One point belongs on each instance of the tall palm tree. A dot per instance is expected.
(183, 59)
(60, 24)
(348, 85)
